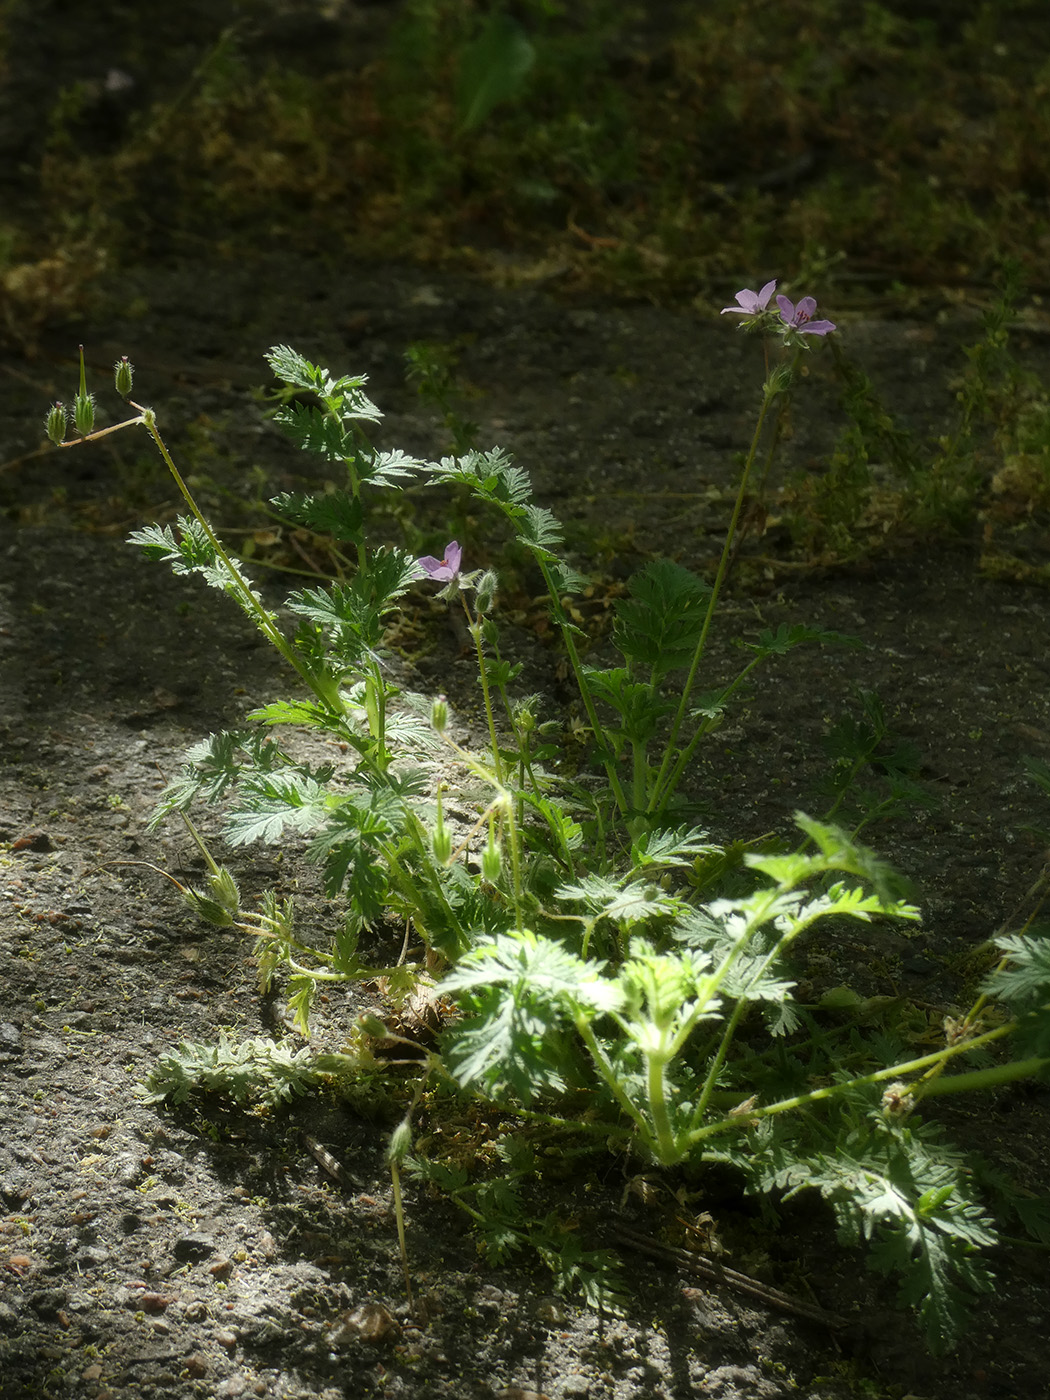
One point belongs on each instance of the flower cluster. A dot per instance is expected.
(793, 320)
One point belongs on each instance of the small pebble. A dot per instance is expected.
(369, 1322)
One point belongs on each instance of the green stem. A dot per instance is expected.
(399, 1214)
(656, 1093)
(588, 703)
(474, 624)
(684, 757)
(989, 1078)
(515, 861)
(612, 1081)
(262, 618)
(719, 1060)
(662, 788)
(978, 1078)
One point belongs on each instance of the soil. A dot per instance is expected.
(207, 1251)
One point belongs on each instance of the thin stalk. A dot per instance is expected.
(663, 788)
(639, 775)
(515, 860)
(719, 1060)
(262, 618)
(103, 432)
(355, 492)
(474, 625)
(585, 695)
(607, 1072)
(399, 1213)
(685, 756)
(977, 1079)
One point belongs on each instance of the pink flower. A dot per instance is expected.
(800, 317)
(443, 570)
(752, 303)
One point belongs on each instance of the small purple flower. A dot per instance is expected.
(752, 303)
(443, 570)
(800, 317)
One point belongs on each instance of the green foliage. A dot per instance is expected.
(492, 69)
(888, 1183)
(1022, 981)
(262, 1070)
(659, 625)
(874, 772)
(600, 951)
(192, 552)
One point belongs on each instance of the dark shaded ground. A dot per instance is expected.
(207, 1253)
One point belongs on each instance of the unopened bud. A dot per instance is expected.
(491, 861)
(486, 591)
(123, 376)
(439, 714)
(779, 381)
(55, 423)
(370, 1023)
(441, 842)
(400, 1142)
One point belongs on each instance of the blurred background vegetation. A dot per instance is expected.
(899, 150)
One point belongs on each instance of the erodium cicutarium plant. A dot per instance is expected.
(610, 977)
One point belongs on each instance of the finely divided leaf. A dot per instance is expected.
(660, 624)
(787, 636)
(334, 513)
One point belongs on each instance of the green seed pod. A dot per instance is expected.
(84, 413)
(210, 910)
(439, 714)
(55, 423)
(123, 375)
(84, 403)
(441, 840)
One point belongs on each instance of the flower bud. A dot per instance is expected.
(400, 1142)
(123, 375)
(441, 844)
(439, 714)
(55, 423)
(491, 861)
(524, 718)
(486, 591)
(371, 1024)
(779, 381)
